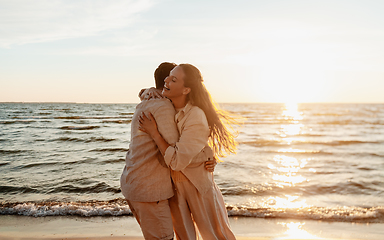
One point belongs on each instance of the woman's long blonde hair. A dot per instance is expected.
(221, 139)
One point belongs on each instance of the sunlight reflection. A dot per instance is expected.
(285, 169)
(291, 112)
(289, 166)
(288, 180)
(295, 231)
(291, 129)
(291, 150)
(293, 116)
(287, 202)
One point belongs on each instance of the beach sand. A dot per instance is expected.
(118, 228)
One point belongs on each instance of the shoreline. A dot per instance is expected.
(14, 227)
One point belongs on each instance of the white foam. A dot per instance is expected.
(340, 214)
(86, 209)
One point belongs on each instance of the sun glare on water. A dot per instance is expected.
(292, 116)
(291, 111)
(285, 169)
(287, 201)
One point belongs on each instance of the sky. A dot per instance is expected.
(102, 51)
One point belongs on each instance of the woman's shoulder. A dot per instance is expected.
(195, 110)
(197, 114)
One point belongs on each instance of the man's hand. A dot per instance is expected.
(210, 165)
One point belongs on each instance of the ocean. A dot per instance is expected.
(300, 161)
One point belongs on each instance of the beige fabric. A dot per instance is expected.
(197, 197)
(154, 218)
(144, 179)
(191, 151)
(208, 211)
(178, 176)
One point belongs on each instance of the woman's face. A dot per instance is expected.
(174, 84)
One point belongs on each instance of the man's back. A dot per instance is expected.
(145, 177)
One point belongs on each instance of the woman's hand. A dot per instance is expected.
(150, 93)
(210, 165)
(148, 124)
(141, 95)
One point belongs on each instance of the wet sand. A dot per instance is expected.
(118, 228)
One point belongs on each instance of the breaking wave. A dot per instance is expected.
(118, 207)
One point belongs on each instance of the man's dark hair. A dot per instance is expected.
(161, 72)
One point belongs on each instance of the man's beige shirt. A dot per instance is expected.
(191, 151)
(145, 177)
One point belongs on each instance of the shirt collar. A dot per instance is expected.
(183, 111)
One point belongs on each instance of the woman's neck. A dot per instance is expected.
(179, 102)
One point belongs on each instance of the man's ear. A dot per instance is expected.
(186, 90)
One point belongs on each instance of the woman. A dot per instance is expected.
(197, 197)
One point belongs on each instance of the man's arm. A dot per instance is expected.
(165, 119)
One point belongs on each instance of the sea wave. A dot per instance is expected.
(26, 121)
(38, 164)
(118, 121)
(291, 151)
(94, 117)
(55, 163)
(99, 187)
(244, 188)
(120, 160)
(109, 150)
(96, 188)
(88, 140)
(18, 190)
(352, 122)
(291, 142)
(13, 151)
(79, 127)
(338, 214)
(228, 189)
(118, 207)
(292, 120)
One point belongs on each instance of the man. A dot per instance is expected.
(146, 182)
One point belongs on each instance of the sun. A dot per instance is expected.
(294, 73)
(292, 86)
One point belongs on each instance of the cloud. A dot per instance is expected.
(23, 21)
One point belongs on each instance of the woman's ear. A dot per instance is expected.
(186, 90)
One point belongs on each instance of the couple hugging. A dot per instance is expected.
(168, 181)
